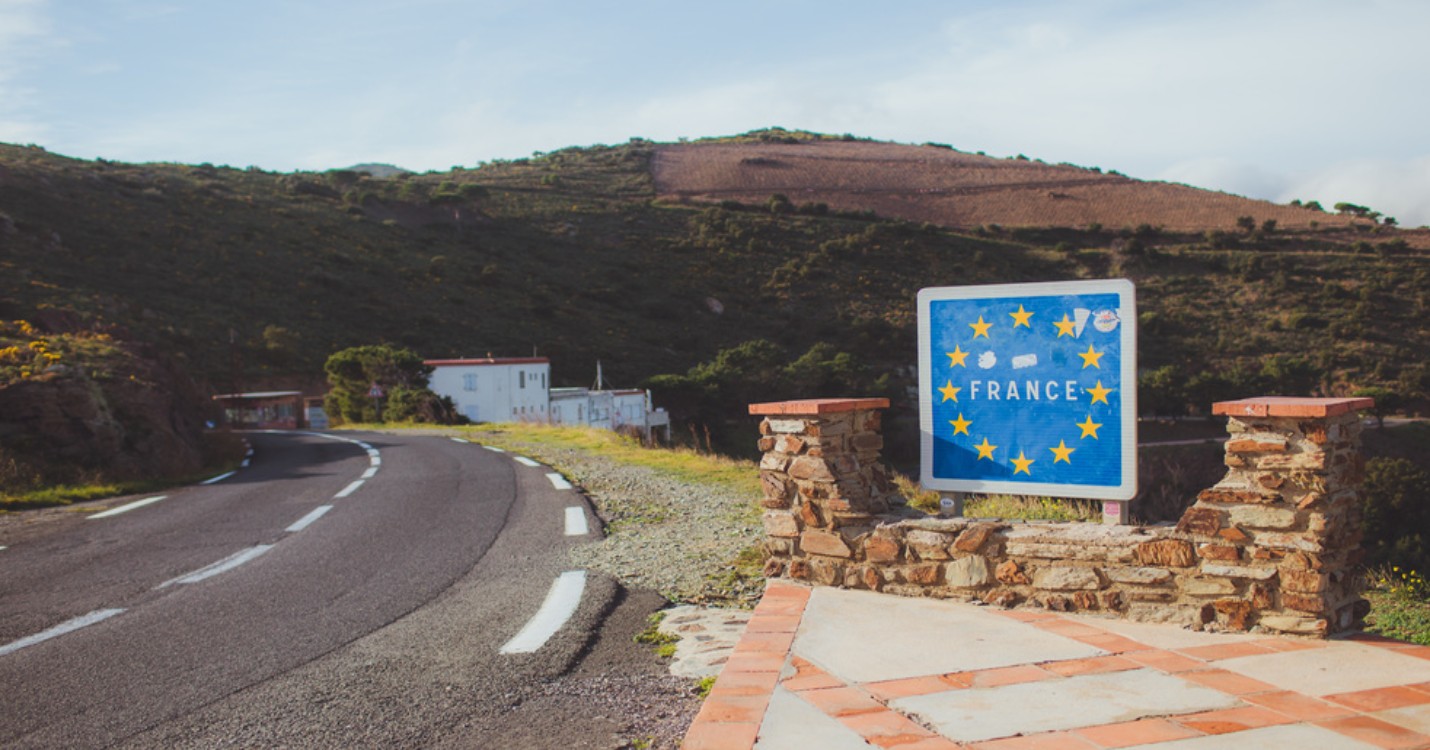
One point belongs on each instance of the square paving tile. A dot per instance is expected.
(1087, 700)
(1414, 718)
(1340, 667)
(794, 724)
(862, 636)
(1294, 736)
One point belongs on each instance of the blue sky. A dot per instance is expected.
(1271, 99)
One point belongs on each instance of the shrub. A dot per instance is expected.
(1395, 514)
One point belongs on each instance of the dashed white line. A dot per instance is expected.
(126, 508)
(558, 481)
(524, 461)
(350, 489)
(314, 515)
(222, 566)
(244, 463)
(576, 522)
(370, 473)
(218, 478)
(561, 602)
(493, 449)
(459, 440)
(68, 626)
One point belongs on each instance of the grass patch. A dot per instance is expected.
(1399, 604)
(1021, 507)
(664, 642)
(704, 686)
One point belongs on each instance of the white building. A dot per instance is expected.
(495, 390)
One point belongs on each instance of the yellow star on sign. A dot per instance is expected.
(1099, 393)
(956, 357)
(950, 392)
(980, 328)
(1022, 463)
(1065, 327)
(1090, 357)
(986, 450)
(1062, 452)
(960, 425)
(1089, 428)
(1021, 317)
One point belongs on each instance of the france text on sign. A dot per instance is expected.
(1029, 389)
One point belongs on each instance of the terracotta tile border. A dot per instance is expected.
(731, 717)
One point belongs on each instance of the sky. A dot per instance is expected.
(1309, 100)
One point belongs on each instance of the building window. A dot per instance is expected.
(469, 382)
(521, 379)
(543, 380)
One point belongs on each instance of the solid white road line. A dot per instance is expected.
(493, 449)
(576, 522)
(218, 478)
(460, 440)
(350, 489)
(222, 566)
(303, 522)
(68, 626)
(558, 481)
(524, 461)
(561, 602)
(127, 508)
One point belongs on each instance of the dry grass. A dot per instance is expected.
(942, 186)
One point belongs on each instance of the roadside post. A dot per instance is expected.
(1030, 389)
(376, 393)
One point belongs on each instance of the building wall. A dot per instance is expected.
(495, 390)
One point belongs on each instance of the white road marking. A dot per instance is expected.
(303, 522)
(493, 449)
(370, 473)
(375, 460)
(68, 626)
(561, 602)
(350, 489)
(222, 566)
(460, 440)
(524, 461)
(126, 508)
(558, 481)
(218, 478)
(243, 464)
(3, 548)
(576, 522)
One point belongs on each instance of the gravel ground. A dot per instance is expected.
(663, 534)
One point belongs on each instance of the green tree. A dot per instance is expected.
(400, 373)
(1387, 402)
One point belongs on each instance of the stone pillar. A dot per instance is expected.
(1284, 524)
(823, 483)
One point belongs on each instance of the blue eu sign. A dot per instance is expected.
(1030, 389)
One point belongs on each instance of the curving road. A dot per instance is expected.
(347, 590)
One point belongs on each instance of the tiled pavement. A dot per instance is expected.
(833, 669)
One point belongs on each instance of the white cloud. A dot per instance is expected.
(1395, 188)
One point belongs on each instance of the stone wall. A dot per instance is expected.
(1273, 547)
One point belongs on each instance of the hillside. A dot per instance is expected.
(250, 279)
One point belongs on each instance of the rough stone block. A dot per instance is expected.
(968, 572)
(766, 444)
(825, 572)
(1200, 521)
(973, 538)
(1298, 542)
(1001, 598)
(1304, 581)
(810, 468)
(788, 426)
(830, 427)
(1233, 534)
(1313, 603)
(1262, 517)
(1065, 578)
(881, 549)
(1238, 571)
(1258, 442)
(774, 462)
(774, 567)
(1314, 461)
(1219, 552)
(1167, 553)
(923, 575)
(780, 523)
(777, 490)
(928, 545)
(810, 515)
(824, 543)
(789, 444)
(1207, 587)
(1235, 611)
(1011, 573)
(1294, 624)
(867, 441)
(1138, 576)
(1230, 496)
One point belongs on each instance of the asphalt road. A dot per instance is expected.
(245, 614)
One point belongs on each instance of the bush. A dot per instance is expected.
(1396, 514)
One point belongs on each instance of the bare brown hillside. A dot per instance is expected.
(951, 188)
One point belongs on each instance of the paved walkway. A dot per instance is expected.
(834, 669)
